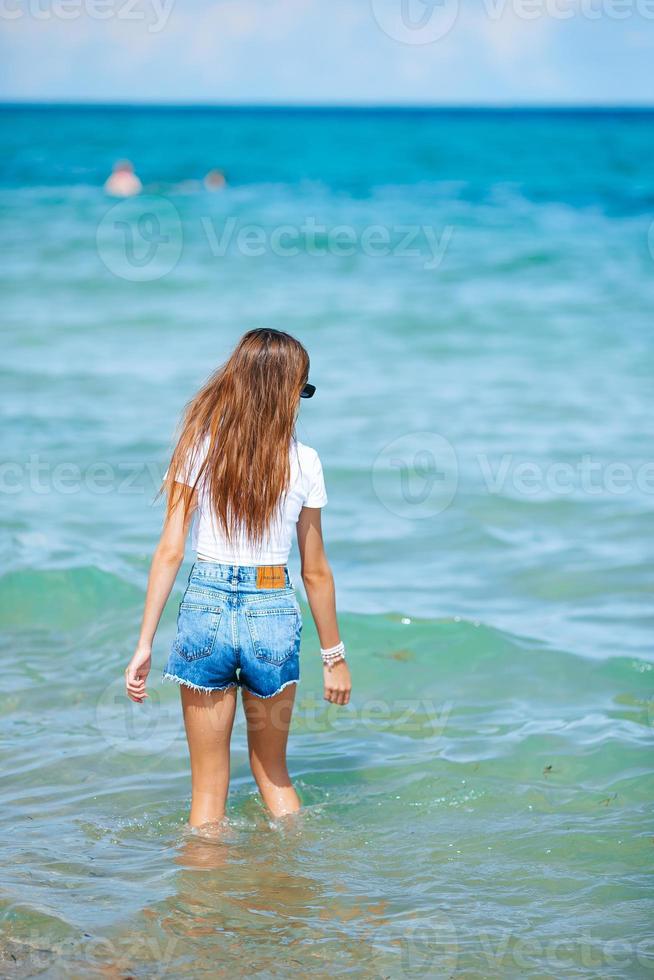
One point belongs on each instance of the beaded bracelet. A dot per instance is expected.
(333, 655)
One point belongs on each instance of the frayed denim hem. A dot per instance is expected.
(196, 687)
(285, 684)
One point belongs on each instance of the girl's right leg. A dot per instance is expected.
(208, 719)
(268, 722)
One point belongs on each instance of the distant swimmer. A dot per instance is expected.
(123, 182)
(215, 180)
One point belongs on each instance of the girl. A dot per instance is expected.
(239, 469)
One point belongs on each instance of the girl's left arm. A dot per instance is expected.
(167, 558)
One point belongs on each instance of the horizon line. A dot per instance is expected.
(340, 106)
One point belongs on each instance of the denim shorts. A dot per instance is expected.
(232, 633)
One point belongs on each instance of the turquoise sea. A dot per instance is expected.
(476, 293)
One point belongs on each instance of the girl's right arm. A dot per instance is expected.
(319, 584)
(167, 558)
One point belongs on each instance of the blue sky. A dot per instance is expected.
(325, 51)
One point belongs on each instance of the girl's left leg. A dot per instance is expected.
(208, 719)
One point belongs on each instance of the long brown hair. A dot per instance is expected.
(245, 415)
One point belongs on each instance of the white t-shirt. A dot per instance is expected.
(306, 489)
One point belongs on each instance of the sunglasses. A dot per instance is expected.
(308, 391)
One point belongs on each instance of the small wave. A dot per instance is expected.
(63, 598)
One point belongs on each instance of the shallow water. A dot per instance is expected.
(481, 809)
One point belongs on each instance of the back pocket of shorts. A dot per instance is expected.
(275, 633)
(197, 626)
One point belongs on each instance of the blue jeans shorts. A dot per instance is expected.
(231, 633)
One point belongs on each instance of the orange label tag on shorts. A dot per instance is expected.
(270, 577)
